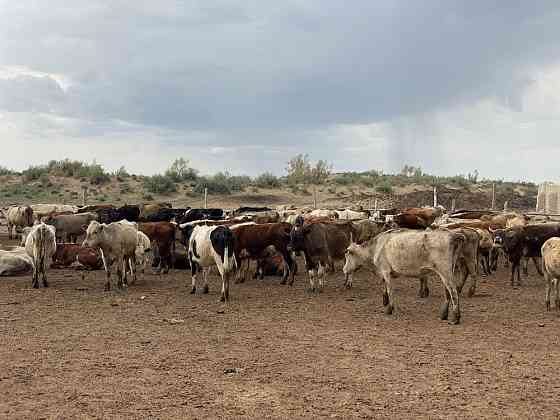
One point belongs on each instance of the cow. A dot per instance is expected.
(524, 241)
(142, 252)
(165, 215)
(68, 254)
(322, 244)
(519, 220)
(348, 214)
(41, 210)
(266, 217)
(15, 262)
(368, 229)
(209, 246)
(162, 237)
(468, 260)
(426, 215)
(18, 216)
(271, 263)
(331, 214)
(551, 266)
(127, 212)
(244, 210)
(192, 215)
(251, 241)
(117, 242)
(411, 253)
(485, 250)
(70, 226)
(152, 208)
(40, 245)
(95, 208)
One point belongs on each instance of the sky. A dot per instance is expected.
(243, 86)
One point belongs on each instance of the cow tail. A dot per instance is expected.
(226, 260)
(39, 249)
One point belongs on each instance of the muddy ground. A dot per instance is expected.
(75, 351)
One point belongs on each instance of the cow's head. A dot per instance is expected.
(353, 261)
(506, 238)
(28, 215)
(94, 234)
(297, 237)
(186, 233)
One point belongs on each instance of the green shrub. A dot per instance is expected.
(267, 180)
(215, 185)
(384, 188)
(159, 184)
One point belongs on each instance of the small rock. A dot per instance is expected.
(350, 299)
(220, 311)
(174, 321)
(541, 325)
(114, 303)
(144, 342)
(142, 297)
(229, 371)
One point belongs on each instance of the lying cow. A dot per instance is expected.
(18, 216)
(409, 253)
(40, 245)
(117, 242)
(15, 262)
(68, 254)
(209, 246)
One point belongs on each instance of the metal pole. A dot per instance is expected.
(205, 198)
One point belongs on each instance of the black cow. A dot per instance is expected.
(166, 215)
(111, 215)
(192, 215)
(244, 210)
(525, 241)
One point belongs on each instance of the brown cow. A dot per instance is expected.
(67, 254)
(162, 237)
(251, 241)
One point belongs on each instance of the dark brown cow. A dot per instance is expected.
(322, 244)
(67, 254)
(162, 237)
(251, 241)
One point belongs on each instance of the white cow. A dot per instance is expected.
(15, 262)
(18, 216)
(551, 265)
(41, 210)
(117, 242)
(351, 214)
(209, 246)
(333, 214)
(40, 245)
(142, 251)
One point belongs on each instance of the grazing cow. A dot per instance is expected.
(21, 216)
(410, 253)
(142, 250)
(525, 241)
(192, 215)
(351, 214)
(322, 244)
(15, 262)
(251, 241)
(40, 245)
(209, 246)
(162, 237)
(117, 242)
(68, 254)
(551, 264)
(70, 226)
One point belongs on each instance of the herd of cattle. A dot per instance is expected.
(413, 243)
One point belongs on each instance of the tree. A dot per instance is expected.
(300, 170)
(181, 171)
(320, 173)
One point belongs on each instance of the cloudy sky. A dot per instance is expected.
(450, 86)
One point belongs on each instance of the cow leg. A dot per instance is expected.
(548, 280)
(513, 274)
(120, 274)
(453, 295)
(321, 273)
(312, 280)
(472, 289)
(108, 266)
(35, 278)
(194, 270)
(44, 267)
(424, 291)
(348, 280)
(525, 266)
(537, 265)
(205, 273)
(225, 287)
(132, 265)
(9, 231)
(390, 307)
(557, 300)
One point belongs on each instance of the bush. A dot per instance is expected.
(267, 180)
(33, 173)
(180, 171)
(384, 188)
(215, 185)
(6, 171)
(159, 184)
(148, 197)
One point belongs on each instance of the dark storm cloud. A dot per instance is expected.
(264, 72)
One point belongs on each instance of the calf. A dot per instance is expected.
(321, 245)
(209, 246)
(40, 245)
(68, 254)
(117, 242)
(409, 253)
(162, 237)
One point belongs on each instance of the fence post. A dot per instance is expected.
(493, 196)
(205, 198)
(506, 205)
(453, 205)
(314, 197)
(435, 196)
(84, 196)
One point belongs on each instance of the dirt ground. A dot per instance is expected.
(75, 351)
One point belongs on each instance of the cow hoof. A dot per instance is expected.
(455, 318)
(35, 286)
(348, 285)
(444, 311)
(205, 290)
(388, 309)
(222, 298)
(471, 292)
(283, 281)
(193, 290)
(385, 299)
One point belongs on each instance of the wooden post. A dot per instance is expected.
(493, 196)
(506, 205)
(314, 197)
(435, 196)
(205, 198)
(453, 202)
(84, 195)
